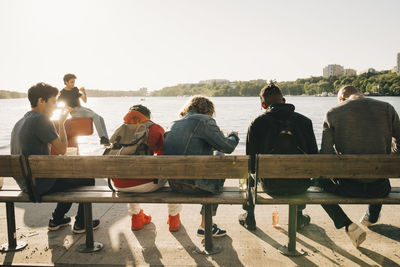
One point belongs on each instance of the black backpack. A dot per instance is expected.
(285, 141)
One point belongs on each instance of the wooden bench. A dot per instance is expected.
(139, 167)
(194, 167)
(13, 166)
(322, 166)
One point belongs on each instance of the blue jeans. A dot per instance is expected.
(353, 188)
(204, 186)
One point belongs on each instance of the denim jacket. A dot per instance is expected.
(198, 134)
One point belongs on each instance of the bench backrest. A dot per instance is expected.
(139, 167)
(328, 166)
(11, 166)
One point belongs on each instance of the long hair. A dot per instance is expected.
(201, 104)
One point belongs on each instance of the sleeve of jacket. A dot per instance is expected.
(395, 130)
(312, 147)
(327, 143)
(155, 140)
(217, 139)
(251, 145)
(250, 141)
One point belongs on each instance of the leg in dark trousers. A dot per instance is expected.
(351, 188)
(63, 208)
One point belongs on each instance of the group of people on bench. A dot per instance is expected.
(357, 125)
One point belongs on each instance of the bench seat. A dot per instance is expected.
(230, 195)
(315, 196)
(102, 194)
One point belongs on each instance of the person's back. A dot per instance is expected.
(33, 135)
(148, 139)
(265, 128)
(279, 130)
(263, 139)
(360, 126)
(196, 134)
(30, 136)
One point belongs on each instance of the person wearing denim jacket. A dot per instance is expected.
(197, 133)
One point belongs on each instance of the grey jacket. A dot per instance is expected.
(361, 126)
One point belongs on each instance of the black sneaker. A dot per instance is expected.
(80, 228)
(55, 225)
(247, 220)
(104, 141)
(302, 221)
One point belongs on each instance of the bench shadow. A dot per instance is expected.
(378, 258)
(151, 254)
(386, 230)
(57, 241)
(318, 235)
(36, 215)
(228, 256)
(299, 261)
(8, 259)
(183, 238)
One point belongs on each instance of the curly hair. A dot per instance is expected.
(200, 104)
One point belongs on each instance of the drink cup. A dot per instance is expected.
(72, 151)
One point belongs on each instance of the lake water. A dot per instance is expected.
(232, 113)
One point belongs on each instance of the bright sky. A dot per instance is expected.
(125, 45)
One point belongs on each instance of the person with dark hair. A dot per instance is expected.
(358, 125)
(154, 140)
(279, 127)
(70, 95)
(32, 135)
(197, 133)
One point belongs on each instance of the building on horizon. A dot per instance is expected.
(350, 72)
(369, 70)
(217, 81)
(395, 69)
(333, 70)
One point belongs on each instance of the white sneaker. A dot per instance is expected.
(365, 221)
(356, 234)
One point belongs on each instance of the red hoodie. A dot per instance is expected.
(155, 141)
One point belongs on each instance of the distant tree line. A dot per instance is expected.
(90, 92)
(109, 93)
(379, 83)
(10, 94)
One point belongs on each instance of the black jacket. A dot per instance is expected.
(265, 128)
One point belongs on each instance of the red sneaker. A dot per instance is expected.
(138, 220)
(174, 223)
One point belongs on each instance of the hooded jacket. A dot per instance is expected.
(265, 128)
